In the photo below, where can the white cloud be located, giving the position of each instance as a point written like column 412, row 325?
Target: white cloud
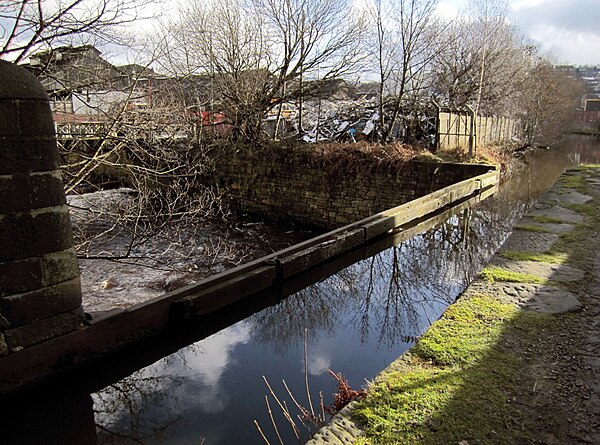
column 568, row 46
column 318, row 364
column 566, row 28
column 202, row 366
column 208, row 365
column 519, row 4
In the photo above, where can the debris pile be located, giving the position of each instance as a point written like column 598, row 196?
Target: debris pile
column 340, row 120
column 351, row 120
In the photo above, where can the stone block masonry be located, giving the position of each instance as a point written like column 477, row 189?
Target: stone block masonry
column 291, row 184
column 40, row 295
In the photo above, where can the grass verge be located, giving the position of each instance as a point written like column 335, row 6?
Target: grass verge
column 548, row 257
column 547, row 219
column 456, row 383
column 583, row 209
column 493, row 274
column 530, row 228
column 573, row 181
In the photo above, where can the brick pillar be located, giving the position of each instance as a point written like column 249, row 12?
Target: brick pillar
column 40, row 293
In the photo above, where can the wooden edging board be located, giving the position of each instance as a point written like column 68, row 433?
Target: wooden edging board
column 117, row 330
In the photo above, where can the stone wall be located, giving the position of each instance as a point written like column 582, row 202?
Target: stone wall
column 40, row 296
column 294, row 186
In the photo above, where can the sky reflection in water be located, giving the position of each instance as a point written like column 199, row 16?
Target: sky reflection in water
column 357, row 322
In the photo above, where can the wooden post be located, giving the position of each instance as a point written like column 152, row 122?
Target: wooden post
column 437, row 125
column 472, row 133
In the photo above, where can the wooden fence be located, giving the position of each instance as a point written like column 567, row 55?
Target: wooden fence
column 492, row 129
column 460, row 129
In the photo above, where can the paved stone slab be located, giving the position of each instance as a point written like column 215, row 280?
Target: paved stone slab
column 341, row 430
column 564, row 195
column 552, row 227
column 532, row 297
column 566, row 215
column 555, row 272
column 525, row 241
column 593, row 181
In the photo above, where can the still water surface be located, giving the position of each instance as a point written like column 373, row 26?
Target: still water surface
column 356, row 321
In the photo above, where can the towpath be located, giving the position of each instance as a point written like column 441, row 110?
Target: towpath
column 549, row 392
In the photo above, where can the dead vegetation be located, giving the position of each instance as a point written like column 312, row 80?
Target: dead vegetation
column 308, row 419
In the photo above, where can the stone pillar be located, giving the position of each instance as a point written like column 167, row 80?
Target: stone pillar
column 40, row 293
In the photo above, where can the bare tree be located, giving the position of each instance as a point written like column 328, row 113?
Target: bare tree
column 154, row 151
column 131, row 129
column 483, row 61
column 491, row 15
column 28, row 25
column 256, row 52
column 548, row 101
column 405, row 33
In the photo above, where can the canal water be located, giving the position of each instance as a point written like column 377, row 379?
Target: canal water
column 356, row 322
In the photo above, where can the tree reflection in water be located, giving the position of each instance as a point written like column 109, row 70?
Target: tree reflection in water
column 358, row 319
column 394, row 294
column 148, row 405
column 137, row 408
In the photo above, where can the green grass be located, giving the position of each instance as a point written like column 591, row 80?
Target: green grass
column 529, row 228
column 548, row 257
column 479, row 319
column 584, row 167
column 583, row 209
column 573, row 181
column 456, row 382
column 493, row 274
column 547, row 219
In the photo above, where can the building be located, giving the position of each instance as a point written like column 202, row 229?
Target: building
column 78, row 80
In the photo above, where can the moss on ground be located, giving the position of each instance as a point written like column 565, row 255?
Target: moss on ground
column 576, row 182
column 493, row 274
column 456, row 384
column 548, row 257
column 530, row 228
column 583, row 209
column 575, row 245
column 547, row 219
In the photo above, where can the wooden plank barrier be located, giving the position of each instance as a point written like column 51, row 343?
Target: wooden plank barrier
column 105, row 335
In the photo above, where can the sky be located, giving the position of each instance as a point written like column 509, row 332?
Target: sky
column 568, row 29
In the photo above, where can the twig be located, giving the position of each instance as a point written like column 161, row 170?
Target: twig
column 261, row 432
column 273, row 420
column 312, row 411
column 283, row 409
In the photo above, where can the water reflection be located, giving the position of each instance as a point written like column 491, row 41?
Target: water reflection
column 146, row 406
column 372, row 310
column 358, row 320
column 585, row 149
column 63, row 416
